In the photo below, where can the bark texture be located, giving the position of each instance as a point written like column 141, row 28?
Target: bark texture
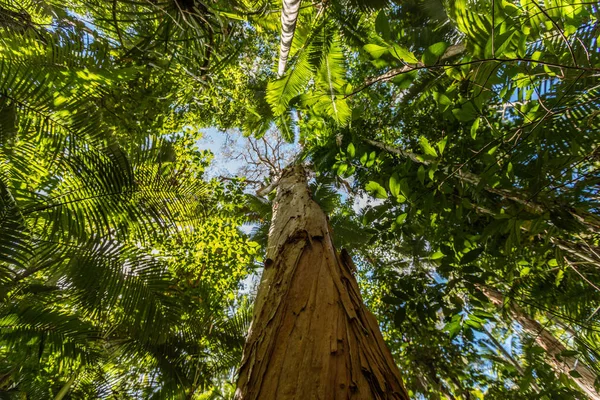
column 311, row 336
column 289, row 17
column 553, row 346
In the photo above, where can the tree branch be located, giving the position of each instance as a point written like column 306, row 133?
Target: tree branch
column 415, row 67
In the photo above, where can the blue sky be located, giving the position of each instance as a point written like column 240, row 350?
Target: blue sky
column 214, row 140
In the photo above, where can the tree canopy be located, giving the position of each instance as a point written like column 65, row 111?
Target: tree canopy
column 454, row 148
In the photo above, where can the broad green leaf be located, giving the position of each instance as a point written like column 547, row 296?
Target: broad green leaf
column 452, row 328
column 559, row 277
column 329, row 98
column 466, row 112
column 376, row 190
column 342, row 169
column 375, row 50
column 382, row 26
column 441, row 145
column 421, row 174
column 474, row 128
column 474, row 324
column 431, row 173
column 437, row 255
column 471, row 256
column 351, row 150
column 371, row 160
column 570, row 29
column 364, row 158
column 286, row 126
column 399, row 316
column 434, row 52
column 401, row 218
column 442, row 99
column 499, row 43
column 403, row 54
column 510, row 174
column 427, row 148
column 405, row 187
column 394, row 184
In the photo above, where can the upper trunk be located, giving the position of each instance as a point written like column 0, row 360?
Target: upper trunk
column 311, row 335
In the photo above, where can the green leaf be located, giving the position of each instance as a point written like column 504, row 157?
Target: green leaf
column 403, row 54
column 421, row 174
column 510, row 174
column 433, row 53
column 351, row 150
column 569, row 353
column 391, row 300
column 559, row 277
column 401, row 218
column 452, row 328
column 474, row 324
column 499, row 43
column 329, row 98
column 375, row 50
column 364, row 158
column 405, row 188
column 394, row 184
column 281, row 91
column 441, row 145
column 341, row 169
column 399, row 317
column 574, row 374
column 371, row 159
column 376, row 190
column 437, row 255
column 471, row 256
column 466, row 113
column 553, row 263
column 382, row 26
column 474, row 128
column 286, row 126
column 427, row 148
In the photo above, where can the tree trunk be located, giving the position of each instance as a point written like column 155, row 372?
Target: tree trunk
column 553, row 346
column 311, row 336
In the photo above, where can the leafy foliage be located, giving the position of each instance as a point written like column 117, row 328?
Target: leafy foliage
column 455, row 148
column 97, row 217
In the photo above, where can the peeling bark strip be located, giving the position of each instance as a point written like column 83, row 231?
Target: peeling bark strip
column 311, row 335
column 553, row 346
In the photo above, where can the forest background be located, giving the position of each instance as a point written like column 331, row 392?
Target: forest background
column 467, row 131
